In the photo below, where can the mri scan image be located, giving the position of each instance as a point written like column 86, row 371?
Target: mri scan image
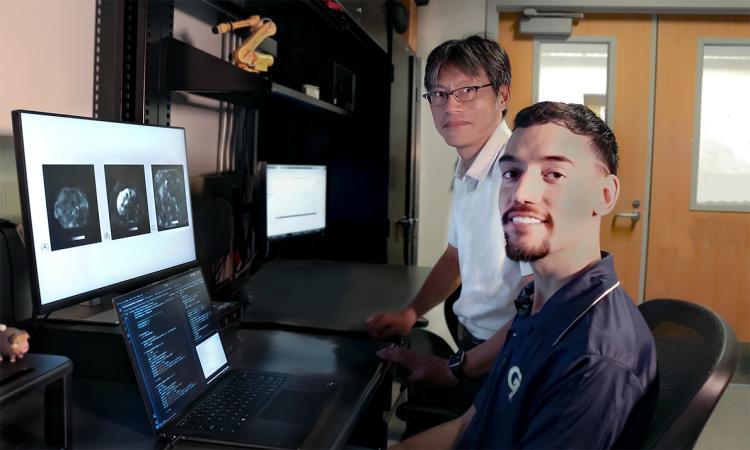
column 170, row 197
column 72, row 209
column 126, row 196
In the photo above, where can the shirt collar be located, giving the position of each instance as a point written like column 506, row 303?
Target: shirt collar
column 486, row 156
column 572, row 300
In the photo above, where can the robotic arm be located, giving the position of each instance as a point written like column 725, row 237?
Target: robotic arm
column 245, row 56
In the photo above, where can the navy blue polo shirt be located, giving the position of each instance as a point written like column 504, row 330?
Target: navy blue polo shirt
column 569, row 375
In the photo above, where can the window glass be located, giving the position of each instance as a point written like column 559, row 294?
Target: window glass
column 574, row 72
column 723, row 172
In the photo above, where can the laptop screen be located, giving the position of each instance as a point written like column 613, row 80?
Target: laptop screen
column 173, row 340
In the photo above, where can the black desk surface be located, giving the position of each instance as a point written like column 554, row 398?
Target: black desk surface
column 328, row 295
column 111, row 415
column 29, row 372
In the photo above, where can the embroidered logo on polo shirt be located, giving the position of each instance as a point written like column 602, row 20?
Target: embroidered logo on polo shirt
column 514, row 381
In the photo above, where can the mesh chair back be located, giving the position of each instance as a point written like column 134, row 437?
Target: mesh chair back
column 696, row 354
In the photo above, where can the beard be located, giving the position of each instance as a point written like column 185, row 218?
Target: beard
column 516, row 252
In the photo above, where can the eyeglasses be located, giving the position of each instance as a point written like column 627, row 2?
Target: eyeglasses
column 462, row 95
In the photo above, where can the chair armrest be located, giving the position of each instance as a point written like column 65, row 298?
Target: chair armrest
column 421, row 322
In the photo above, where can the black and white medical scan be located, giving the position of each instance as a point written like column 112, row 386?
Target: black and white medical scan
column 72, row 208
column 170, row 196
column 127, row 200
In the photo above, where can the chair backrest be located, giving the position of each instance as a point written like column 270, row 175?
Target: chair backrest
column 696, row 353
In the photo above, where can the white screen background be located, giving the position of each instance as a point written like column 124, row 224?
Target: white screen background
column 211, row 355
column 62, row 140
column 296, row 199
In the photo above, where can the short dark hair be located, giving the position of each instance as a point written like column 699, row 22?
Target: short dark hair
column 580, row 120
column 469, row 55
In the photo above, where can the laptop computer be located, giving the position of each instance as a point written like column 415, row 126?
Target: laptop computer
column 188, row 387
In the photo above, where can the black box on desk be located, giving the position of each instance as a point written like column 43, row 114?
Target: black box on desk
column 228, row 314
column 344, row 87
column 97, row 350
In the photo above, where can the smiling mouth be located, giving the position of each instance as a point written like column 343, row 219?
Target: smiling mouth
column 526, row 220
column 526, row 216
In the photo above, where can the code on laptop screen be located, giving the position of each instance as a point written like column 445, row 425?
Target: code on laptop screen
column 174, row 342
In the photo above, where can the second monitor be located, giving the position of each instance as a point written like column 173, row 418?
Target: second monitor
column 295, row 199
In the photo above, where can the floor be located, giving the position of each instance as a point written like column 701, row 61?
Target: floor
column 727, row 429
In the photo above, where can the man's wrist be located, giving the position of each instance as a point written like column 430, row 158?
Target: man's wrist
column 456, row 365
column 409, row 314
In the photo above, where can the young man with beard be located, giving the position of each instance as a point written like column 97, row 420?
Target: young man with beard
column 578, row 355
column 468, row 88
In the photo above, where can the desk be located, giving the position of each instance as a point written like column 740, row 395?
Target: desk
column 110, row 414
column 328, row 295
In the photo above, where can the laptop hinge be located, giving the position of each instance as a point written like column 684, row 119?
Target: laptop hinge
column 172, row 441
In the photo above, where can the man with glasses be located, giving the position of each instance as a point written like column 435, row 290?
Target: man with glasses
column 468, row 88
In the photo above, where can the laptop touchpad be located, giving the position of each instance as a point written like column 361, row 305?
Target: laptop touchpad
column 294, row 406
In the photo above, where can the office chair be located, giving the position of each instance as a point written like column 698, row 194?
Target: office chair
column 423, row 408
column 696, row 353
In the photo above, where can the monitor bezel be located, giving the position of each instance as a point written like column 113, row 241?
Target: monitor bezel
column 280, row 237
column 23, row 189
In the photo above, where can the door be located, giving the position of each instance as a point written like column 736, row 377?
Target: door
column 666, row 241
column 403, row 155
column 626, row 40
column 699, row 255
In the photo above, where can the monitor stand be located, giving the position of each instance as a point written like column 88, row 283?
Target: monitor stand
column 96, row 311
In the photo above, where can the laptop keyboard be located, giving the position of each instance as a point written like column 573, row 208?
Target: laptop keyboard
column 231, row 404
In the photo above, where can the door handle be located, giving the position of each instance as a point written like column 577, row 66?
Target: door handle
column 406, row 224
column 634, row 215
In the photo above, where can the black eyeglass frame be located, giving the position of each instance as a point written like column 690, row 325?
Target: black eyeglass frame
column 430, row 94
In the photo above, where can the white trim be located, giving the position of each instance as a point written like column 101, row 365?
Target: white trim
column 604, row 294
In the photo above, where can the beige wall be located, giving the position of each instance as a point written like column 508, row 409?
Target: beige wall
column 38, row 73
column 51, row 68
column 439, row 21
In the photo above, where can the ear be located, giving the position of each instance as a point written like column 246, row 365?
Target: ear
column 503, row 95
column 609, row 191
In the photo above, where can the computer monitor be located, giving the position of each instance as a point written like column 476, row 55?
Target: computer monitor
column 106, row 205
column 295, row 197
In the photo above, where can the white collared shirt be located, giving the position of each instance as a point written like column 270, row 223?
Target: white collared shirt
column 490, row 281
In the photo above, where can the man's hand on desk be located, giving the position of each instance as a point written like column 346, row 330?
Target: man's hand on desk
column 423, row 367
column 386, row 325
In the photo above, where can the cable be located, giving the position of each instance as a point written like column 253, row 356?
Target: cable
column 39, row 325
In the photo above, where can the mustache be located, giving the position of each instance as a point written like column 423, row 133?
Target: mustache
column 526, row 209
